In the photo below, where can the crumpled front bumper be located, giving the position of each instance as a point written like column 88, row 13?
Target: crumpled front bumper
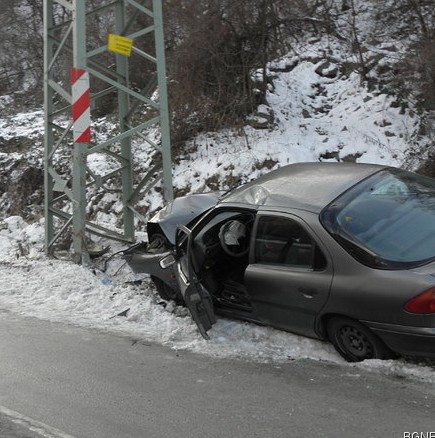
column 158, row 264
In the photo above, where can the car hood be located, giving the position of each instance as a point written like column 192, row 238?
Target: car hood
column 183, row 210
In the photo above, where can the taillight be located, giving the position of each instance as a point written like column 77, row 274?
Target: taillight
column 423, row 303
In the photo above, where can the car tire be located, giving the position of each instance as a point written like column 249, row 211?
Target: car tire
column 166, row 292
column 355, row 342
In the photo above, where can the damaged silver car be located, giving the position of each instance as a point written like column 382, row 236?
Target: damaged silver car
column 336, row 251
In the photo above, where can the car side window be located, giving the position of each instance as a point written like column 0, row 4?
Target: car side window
column 283, row 241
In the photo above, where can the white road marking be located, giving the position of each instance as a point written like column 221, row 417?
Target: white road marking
column 42, row 429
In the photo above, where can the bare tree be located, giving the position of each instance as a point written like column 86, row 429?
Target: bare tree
column 21, row 45
column 214, row 49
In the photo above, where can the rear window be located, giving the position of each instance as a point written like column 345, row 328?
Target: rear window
column 386, row 221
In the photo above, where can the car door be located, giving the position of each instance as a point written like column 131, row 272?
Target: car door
column 289, row 276
column 196, row 297
column 211, row 262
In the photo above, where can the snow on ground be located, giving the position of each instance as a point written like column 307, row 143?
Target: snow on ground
column 58, row 290
column 28, row 125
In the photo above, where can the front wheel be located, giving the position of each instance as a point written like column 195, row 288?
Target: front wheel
column 166, row 292
column 354, row 341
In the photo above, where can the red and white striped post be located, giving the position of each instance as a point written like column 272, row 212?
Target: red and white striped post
column 81, row 101
column 81, row 105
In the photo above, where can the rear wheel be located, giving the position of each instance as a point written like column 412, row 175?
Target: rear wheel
column 356, row 342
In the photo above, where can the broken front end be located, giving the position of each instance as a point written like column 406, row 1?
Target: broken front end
column 158, row 261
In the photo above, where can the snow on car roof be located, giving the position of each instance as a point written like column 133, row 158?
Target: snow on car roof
column 310, row 186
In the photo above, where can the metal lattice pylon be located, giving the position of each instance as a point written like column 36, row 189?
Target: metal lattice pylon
column 68, row 176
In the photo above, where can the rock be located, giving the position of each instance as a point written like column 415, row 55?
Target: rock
column 263, row 118
column 327, row 70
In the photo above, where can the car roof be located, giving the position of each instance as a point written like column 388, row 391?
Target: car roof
column 309, row 186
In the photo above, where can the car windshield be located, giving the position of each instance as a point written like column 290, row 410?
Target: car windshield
column 386, row 221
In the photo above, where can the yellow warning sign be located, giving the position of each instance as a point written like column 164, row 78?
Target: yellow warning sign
column 120, row 45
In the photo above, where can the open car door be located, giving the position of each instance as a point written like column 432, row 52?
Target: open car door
column 196, row 297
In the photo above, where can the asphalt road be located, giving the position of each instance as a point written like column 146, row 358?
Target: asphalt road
column 63, row 381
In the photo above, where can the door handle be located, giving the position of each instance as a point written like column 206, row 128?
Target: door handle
column 308, row 292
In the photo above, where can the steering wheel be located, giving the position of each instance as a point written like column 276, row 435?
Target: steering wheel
column 234, row 239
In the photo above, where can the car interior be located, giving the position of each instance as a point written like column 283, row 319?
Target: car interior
column 221, row 251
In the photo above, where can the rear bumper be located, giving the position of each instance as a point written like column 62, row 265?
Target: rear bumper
column 412, row 341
